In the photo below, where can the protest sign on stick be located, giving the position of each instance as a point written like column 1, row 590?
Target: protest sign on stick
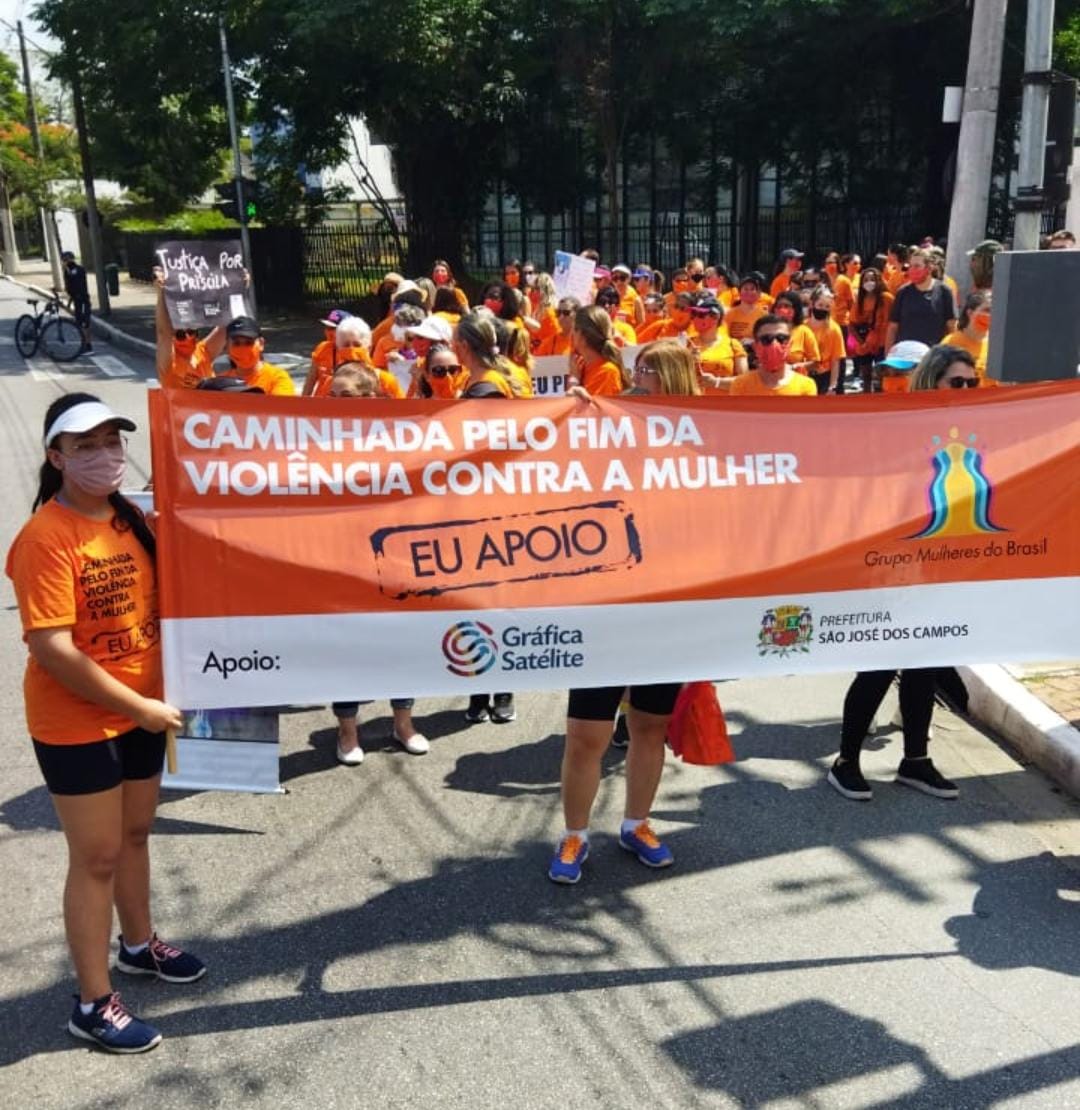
column 204, row 281
column 573, row 276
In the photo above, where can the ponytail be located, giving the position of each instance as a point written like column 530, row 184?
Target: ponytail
column 129, row 515
column 594, row 326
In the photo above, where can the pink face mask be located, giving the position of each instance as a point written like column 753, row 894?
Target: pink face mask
column 98, row 472
column 493, row 304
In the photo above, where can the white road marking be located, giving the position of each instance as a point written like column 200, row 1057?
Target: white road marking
column 44, row 370
column 112, row 366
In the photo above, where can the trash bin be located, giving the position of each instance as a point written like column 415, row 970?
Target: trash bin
column 112, row 278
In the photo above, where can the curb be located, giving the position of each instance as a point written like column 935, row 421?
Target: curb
column 98, row 326
column 1010, row 709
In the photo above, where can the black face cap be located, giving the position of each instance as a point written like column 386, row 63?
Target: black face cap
column 243, row 327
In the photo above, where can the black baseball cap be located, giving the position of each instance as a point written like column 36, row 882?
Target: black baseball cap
column 227, row 384
column 243, row 326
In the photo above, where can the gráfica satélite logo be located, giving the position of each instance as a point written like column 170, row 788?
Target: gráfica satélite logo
column 473, row 648
column 470, row 648
column 959, row 493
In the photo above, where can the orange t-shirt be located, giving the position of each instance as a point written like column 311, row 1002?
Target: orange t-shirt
column 727, row 298
column 875, row 314
column 751, row 385
column 497, row 379
column 719, row 357
column 267, row 377
column 803, row 346
column 186, row 373
column 977, row 348
column 651, row 331
column 830, row 343
column 330, row 360
column 557, row 344
column 625, row 336
column 780, row 284
column 549, row 326
column 602, row 378
column 740, row 318
column 843, row 299
column 628, row 302
column 73, row 572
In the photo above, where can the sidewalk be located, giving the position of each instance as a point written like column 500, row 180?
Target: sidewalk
column 132, row 315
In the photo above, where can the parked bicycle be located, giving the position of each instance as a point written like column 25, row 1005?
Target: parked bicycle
column 57, row 334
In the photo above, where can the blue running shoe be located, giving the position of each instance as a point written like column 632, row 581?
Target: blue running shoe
column 111, row 1026
column 645, row 845
column 571, row 853
column 161, row 960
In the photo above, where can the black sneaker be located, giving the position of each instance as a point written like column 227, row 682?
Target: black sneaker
column 111, row 1026
column 921, row 774
column 478, row 711
column 620, row 738
column 161, row 960
column 503, row 711
column 847, row 779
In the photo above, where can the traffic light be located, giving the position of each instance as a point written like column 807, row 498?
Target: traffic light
column 227, row 203
column 1060, row 127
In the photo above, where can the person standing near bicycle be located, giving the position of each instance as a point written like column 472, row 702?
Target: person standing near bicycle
column 78, row 291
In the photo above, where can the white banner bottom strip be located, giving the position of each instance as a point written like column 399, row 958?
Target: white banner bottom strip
column 253, row 661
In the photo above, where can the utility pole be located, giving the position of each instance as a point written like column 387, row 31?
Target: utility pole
column 1072, row 212
column 92, row 217
column 48, row 219
column 1038, row 52
column 234, row 135
column 975, row 149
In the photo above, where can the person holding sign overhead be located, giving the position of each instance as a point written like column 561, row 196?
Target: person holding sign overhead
column 83, row 569
column 183, row 360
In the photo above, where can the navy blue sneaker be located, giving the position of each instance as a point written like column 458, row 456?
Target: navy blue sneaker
column 161, row 960
column 645, row 845
column 571, row 853
column 111, row 1026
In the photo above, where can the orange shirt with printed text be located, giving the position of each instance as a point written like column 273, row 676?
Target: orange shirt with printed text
column 70, row 571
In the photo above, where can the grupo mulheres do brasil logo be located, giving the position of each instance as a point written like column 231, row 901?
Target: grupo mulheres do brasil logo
column 470, row 648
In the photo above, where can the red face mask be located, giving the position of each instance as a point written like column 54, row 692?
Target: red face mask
column 512, row 279
column 749, row 296
column 784, row 311
column 980, row 323
column 185, row 348
column 680, row 317
column 440, row 277
column 771, row 358
column 831, row 267
column 917, row 274
column 493, row 304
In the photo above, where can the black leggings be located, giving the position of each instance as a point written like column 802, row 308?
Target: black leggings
column 864, row 698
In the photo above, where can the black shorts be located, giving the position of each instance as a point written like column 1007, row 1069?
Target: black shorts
column 101, row 764
column 81, row 311
column 600, row 702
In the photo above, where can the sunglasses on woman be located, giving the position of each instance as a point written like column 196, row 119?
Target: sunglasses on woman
column 185, row 333
column 963, row 383
column 442, row 371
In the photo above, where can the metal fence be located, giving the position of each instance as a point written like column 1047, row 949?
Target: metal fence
column 340, row 262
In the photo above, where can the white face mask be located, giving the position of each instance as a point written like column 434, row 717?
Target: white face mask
column 98, row 472
column 397, row 333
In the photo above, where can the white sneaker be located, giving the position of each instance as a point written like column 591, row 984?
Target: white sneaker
column 351, row 758
column 417, row 744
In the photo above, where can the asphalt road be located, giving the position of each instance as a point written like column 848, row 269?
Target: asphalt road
column 385, row 936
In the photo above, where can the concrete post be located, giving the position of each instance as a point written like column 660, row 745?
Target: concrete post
column 1038, row 51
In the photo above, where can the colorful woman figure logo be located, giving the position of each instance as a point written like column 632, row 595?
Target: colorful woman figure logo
column 959, row 492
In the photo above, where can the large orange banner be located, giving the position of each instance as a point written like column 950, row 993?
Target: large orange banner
column 412, row 536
